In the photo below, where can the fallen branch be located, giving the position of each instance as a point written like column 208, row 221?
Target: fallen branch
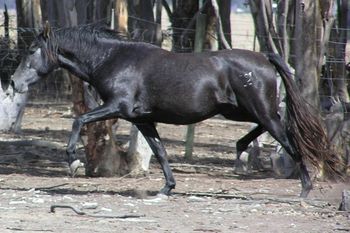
column 216, row 195
column 51, row 187
column 249, row 197
column 76, row 210
column 80, row 212
column 195, row 166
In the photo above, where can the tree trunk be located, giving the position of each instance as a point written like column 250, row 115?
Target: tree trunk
column 121, row 15
column 60, row 14
column 8, row 56
column 335, row 96
column 139, row 153
column 336, row 58
column 11, row 110
column 183, row 24
column 225, row 13
column 28, row 16
column 275, row 41
column 211, row 36
column 285, row 18
column 12, row 106
column 103, row 156
column 307, row 52
column 142, row 26
column 264, row 27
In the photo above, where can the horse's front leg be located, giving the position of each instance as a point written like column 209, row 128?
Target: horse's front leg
column 103, row 112
column 150, row 133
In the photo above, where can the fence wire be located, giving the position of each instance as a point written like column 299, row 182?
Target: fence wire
column 242, row 36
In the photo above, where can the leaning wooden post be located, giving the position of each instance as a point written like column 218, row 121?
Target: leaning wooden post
column 198, row 47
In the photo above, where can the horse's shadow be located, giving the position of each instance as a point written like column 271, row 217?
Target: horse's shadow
column 43, row 159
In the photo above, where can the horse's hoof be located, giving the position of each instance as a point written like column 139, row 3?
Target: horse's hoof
column 162, row 196
column 166, row 191
column 305, row 192
column 75, row 166
column 239, row 167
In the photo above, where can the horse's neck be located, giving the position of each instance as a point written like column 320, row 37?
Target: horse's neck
column 88, row 63
column 82, row 63
column 73, row 67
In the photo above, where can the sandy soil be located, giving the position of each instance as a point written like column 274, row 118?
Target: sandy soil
column 209, row 197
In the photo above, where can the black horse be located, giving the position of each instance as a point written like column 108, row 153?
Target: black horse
column 145, row 84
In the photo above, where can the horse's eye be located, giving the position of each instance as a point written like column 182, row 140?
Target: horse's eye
column 32, row 49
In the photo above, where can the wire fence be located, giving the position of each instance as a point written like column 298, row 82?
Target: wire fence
column 242, row 36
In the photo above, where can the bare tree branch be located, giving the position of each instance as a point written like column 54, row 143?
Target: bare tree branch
column 219, row 25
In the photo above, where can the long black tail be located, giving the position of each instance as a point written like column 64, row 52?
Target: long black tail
column 305, row 128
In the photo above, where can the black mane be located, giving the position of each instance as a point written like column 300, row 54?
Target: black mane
column 79, row 39
column 90, row 32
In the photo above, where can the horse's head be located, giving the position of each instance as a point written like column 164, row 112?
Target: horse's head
column 40, row 61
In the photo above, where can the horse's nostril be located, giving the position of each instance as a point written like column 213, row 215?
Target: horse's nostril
column 12, row 83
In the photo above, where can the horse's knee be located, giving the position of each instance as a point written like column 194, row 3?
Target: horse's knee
column 240, row 147
column 71, row 155
column 77, row 124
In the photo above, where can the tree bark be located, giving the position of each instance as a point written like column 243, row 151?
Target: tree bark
column 264, row 27
column 307, row 50
column 139, row 153
column 337, row 49
column 121, row 15
column 225, row 13
column 335, row 96
column 103, row 156
column 11, row 110
column 285, row 18
column 183, row 25
column 142, row 24
column 11, row 104
column 28, row 16
column 220, row 32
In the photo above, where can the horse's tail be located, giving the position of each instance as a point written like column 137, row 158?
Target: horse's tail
column 305, row 129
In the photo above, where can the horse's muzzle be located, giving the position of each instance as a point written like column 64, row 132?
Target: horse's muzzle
column 12, row 84
column 18, row 88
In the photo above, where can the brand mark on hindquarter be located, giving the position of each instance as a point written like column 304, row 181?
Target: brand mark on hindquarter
column 247, row 79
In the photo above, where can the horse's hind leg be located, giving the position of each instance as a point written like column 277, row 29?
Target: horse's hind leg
column 151, row 135
column 243, row 143
column 274, row 127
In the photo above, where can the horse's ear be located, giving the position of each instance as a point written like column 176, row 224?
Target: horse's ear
column 47, row 30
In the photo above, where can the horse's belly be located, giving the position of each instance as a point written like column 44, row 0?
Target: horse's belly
column 182, row 117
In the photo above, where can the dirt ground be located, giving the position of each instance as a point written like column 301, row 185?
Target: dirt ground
column 208, row 197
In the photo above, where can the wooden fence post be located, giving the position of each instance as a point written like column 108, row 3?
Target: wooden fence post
column 198, row 47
